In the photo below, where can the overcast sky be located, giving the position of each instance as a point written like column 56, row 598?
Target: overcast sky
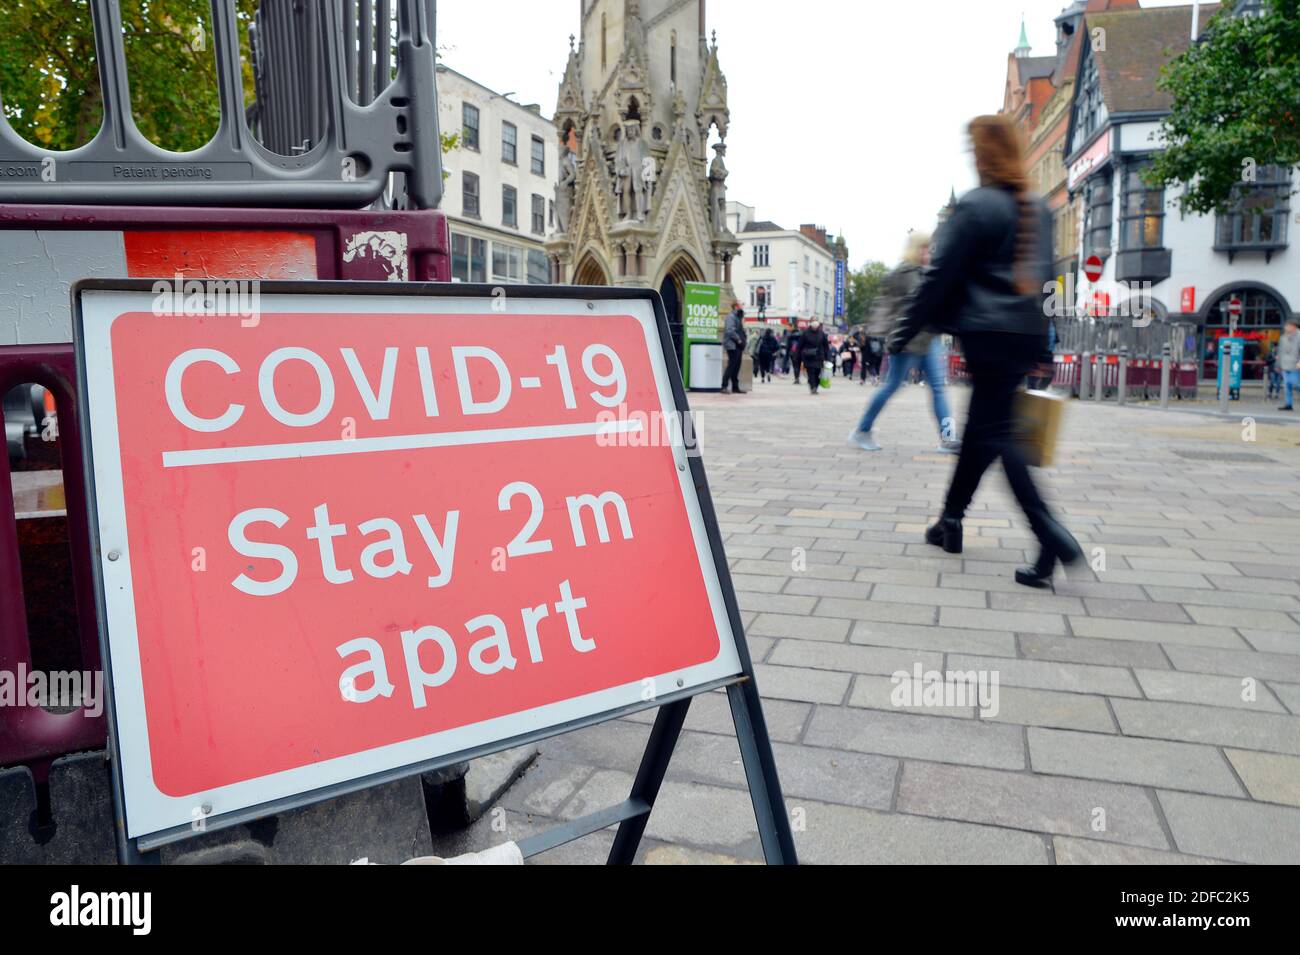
column 846, row 113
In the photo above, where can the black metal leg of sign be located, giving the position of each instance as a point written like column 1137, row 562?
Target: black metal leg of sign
column 760, row 772
column 649, row 777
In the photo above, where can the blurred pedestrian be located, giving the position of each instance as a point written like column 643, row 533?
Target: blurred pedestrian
column 923, row 354
column 1288, row 361
column 796, row 361
column 734, row 340
column 985, row 284
column 813, row 348
column 767, row 349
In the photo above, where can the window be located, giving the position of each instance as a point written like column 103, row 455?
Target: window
column 469, row 194
column 1098, row 216
column 767, row 294
column 468, row 258
column 817, row 269
column 1142, row 213
column 509, row 206
column 469, row 126
column 507, row 262
column 509, row 143
column 602, row 43
column 539, row 267
column 539, row 156
column 1089, row 108
column 761, row 254
column 1257, row 213
column 805, row 263
column 539, row 214
column 672, row 60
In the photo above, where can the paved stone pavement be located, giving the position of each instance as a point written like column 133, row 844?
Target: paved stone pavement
column 1148, row 707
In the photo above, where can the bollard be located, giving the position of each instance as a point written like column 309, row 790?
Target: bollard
column 1164, row 375
column 1099, row 380
column 1121, row 391
column 1085, row 374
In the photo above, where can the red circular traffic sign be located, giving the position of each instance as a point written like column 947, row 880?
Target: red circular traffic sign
column 1092, row 268
column 1234, row 307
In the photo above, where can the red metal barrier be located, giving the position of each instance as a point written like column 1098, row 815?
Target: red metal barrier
column 1066, row 373
column 31, row 734
column 157, row 243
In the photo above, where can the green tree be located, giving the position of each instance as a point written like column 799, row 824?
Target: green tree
column 49, row 76
column 861, row 290
column 1236, row 105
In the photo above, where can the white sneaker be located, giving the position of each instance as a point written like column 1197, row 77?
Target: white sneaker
column 949, row 447
column 863, row 440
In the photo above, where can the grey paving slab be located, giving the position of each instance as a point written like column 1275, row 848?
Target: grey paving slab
column 946, row 639
column 1267, row 732
column 1271, row 666
column 1036, row 646
column 1052, row 804
column 1146, row 762
column 1269, row 777
column 800, row 628
column 1072, row 851
column 853, row 659
column 1235, row 829
column 801, row 683
column 844, row 835
column 883, row 693
column 1239, row 693
column 1026, row 707
column 937, row 738
column 1050, row 675
column 1106, row 628
column 1001, row 620
column 1272, row 641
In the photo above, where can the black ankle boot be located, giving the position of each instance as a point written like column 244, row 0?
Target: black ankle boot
column 1055, row 543
column 946, row 534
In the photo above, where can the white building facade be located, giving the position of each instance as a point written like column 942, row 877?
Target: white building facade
column 500, row 188
column 794, row 268
column 1189, row 278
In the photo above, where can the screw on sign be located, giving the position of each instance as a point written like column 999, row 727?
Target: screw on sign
column 496, row 546
column 1092, row 267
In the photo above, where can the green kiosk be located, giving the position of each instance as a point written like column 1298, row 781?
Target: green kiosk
column 702, row 358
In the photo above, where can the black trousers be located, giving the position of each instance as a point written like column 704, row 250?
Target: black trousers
column 997, row 363
column 732, row 372
column 813, row 368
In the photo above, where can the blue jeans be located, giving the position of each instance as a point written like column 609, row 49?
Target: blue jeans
column 931, row 364
column 1292, row 379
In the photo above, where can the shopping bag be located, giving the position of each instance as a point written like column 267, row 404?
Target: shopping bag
column 828, row 369
column 1038, row 425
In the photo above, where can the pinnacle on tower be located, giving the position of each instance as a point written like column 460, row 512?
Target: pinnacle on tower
column 1023, row 48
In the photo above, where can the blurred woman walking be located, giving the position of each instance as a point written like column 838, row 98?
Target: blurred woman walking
column 985, row 284
column 924, row 353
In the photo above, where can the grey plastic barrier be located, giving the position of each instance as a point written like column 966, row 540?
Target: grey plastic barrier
column 341, row 149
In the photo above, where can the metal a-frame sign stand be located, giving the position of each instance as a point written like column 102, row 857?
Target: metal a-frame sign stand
column 632, row 814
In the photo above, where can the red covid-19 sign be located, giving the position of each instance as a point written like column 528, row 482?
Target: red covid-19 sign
column 362, row 531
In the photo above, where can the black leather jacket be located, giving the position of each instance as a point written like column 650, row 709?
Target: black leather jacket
column 969, row 286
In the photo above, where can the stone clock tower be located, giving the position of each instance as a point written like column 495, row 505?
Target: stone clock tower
column 641, row 198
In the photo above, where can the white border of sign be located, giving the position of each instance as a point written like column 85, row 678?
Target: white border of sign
column 148, row 810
